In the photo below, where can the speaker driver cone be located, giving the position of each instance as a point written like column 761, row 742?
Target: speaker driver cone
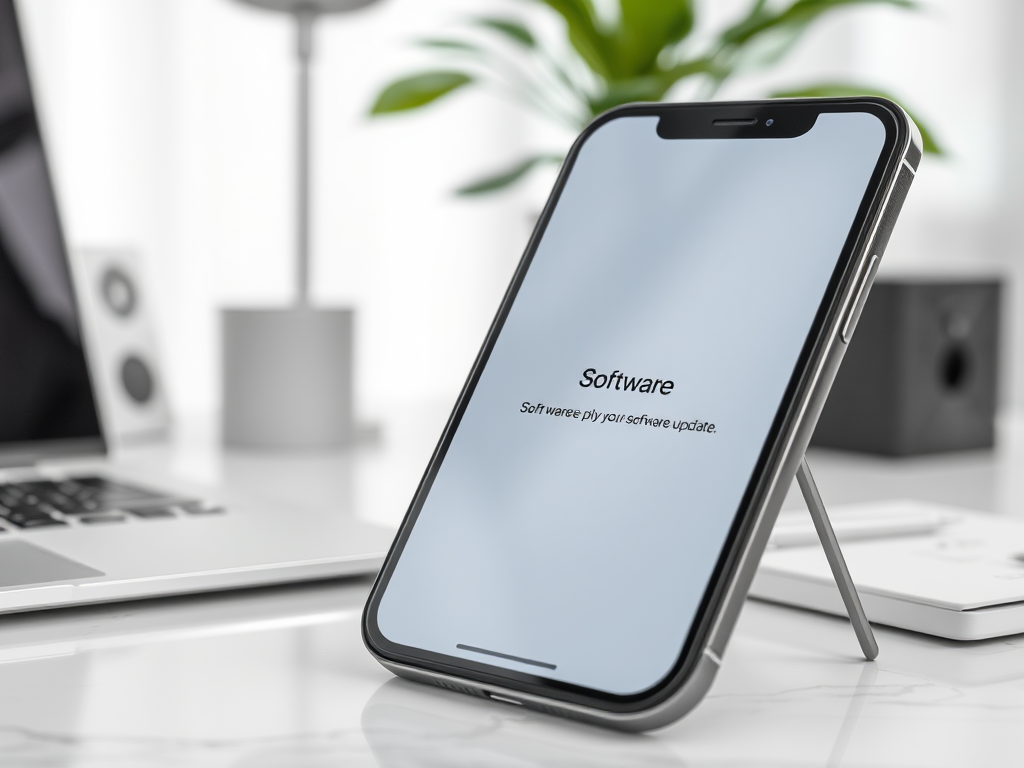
column 137, row 380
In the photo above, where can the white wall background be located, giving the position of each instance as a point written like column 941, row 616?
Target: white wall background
column 170, row 125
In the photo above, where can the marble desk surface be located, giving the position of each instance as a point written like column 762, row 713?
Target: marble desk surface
column 279, row 676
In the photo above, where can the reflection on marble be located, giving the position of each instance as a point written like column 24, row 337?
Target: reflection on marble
column 373, row 480
column 409, row 724
column 244, row 679
column 279, row 677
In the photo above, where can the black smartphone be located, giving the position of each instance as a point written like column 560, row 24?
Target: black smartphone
column 589, row 524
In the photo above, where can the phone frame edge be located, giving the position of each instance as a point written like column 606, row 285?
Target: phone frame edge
column 818, row 390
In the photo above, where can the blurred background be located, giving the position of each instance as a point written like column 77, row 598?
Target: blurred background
column 171, row 132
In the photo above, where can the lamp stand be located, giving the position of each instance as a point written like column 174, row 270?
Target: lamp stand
column 287, row 372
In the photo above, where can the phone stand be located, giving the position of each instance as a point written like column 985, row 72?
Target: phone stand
column 836, row 562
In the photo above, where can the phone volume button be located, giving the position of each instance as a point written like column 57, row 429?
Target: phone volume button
column 856, row 305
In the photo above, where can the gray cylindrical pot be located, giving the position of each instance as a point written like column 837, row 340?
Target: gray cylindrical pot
column 287, row 377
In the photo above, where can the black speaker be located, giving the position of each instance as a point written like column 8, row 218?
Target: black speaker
column 920, row 374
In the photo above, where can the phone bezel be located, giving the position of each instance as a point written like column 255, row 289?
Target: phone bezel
column 687, row 122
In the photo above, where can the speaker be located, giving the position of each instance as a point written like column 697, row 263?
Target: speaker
column 920, row 374
column 122, row 347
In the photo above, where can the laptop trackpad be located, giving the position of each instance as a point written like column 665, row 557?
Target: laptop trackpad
column 22, row 563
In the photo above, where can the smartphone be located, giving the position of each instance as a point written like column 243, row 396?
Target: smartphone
column 589, row 524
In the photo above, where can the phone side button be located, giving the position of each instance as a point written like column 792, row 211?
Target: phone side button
column 857, row 305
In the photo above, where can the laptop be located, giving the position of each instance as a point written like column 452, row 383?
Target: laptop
column 99, row 534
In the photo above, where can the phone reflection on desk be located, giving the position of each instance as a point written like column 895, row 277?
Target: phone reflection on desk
column 407, row 723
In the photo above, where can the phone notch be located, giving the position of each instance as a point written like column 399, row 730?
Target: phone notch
column 766, row 120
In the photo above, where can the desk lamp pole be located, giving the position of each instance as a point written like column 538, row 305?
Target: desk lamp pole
column 305, row 18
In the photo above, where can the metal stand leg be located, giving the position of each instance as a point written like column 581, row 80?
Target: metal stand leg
column 835, row 560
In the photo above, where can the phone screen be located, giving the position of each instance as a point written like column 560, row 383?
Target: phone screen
column 584, row 499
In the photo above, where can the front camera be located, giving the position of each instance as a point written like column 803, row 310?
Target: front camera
column 769, row 121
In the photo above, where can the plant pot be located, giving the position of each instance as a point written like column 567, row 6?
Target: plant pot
column 287, row 378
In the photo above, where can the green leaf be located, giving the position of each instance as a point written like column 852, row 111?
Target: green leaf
column 450, row 45
column 800, row 14
column 646, row 28
column 834, row 90
column 417, row 91
column 631, row 48
column 686, row 69
column 767, row 33
column 764, row 51
column 507, row 177
column 513, row 30
column 590, row 42
column 621, row 92
column 646, row 88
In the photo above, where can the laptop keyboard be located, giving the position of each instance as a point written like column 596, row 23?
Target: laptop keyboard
column 89, row 501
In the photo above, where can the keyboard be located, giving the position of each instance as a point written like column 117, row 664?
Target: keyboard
column 32, row 504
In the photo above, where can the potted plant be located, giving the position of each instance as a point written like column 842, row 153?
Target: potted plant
column 641, row 54
column 921, row 376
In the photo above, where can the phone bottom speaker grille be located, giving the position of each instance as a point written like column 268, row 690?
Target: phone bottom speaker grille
column 459, row 688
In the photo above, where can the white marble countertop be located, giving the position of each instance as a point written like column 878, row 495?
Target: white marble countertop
column 279, row 677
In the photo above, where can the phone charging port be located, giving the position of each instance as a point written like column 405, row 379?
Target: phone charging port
column 503, row 699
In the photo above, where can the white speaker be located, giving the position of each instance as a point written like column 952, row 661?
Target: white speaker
column 122, row 346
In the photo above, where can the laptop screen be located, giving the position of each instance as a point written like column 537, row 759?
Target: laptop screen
column 47, row 406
